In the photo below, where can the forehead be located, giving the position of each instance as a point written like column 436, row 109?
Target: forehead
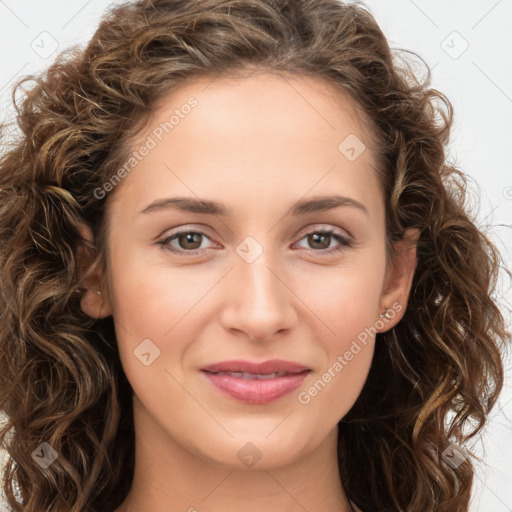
column 292, row 97
column 267, row 132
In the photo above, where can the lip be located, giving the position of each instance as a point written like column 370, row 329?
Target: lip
column 264, row 368
column 256, row 391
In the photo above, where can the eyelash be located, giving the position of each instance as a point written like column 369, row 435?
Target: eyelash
column 344, row 241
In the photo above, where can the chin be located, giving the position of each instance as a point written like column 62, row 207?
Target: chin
column 258, row 451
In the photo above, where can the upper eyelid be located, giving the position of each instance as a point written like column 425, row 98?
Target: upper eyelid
column 199, row 227
column 321, row 227
column 305, row 231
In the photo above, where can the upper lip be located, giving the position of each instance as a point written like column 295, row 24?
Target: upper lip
column 265, row 368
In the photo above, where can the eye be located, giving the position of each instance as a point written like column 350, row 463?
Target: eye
column 188, row 241
column 320, row 240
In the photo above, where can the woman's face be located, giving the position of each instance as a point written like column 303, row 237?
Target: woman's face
column 255, row 282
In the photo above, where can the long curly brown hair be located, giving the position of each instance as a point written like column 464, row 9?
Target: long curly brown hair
column 434, row 377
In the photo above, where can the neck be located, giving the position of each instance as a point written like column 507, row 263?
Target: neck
column 168, row 476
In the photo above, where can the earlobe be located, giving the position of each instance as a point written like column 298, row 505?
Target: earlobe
column 398, row 279
column 93, row 305
column 94, row 301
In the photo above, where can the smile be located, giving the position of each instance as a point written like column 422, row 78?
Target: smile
column 253, row 388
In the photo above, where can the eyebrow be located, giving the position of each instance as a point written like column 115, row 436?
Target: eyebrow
column 301, row 207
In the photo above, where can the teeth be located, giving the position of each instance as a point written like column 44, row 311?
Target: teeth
column 243, row 375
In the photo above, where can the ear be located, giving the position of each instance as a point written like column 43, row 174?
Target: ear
column 95, row 300
column 398, row 280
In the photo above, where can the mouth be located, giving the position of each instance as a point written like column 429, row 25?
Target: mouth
column 278, row 366
column 257, row 376
column 254, row 383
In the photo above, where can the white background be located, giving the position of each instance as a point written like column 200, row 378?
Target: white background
column 468, row 46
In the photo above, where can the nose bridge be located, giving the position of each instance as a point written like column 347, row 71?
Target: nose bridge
column 262, row 303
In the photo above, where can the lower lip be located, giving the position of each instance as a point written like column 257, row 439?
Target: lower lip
column 256, row 391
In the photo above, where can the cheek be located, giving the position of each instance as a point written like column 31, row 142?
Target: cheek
column 346, row 300
column 150, row 298
column 347, row 305
column 151, row 305
column 348, row 347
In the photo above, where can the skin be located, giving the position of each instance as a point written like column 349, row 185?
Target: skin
column 256, row 144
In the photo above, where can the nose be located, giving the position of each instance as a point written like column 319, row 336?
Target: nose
column 260, row 303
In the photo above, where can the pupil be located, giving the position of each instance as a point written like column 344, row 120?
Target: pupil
column 316, row 236
column 189, row 238
column 315, row 239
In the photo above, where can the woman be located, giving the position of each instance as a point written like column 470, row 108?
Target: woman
column 328, row 341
